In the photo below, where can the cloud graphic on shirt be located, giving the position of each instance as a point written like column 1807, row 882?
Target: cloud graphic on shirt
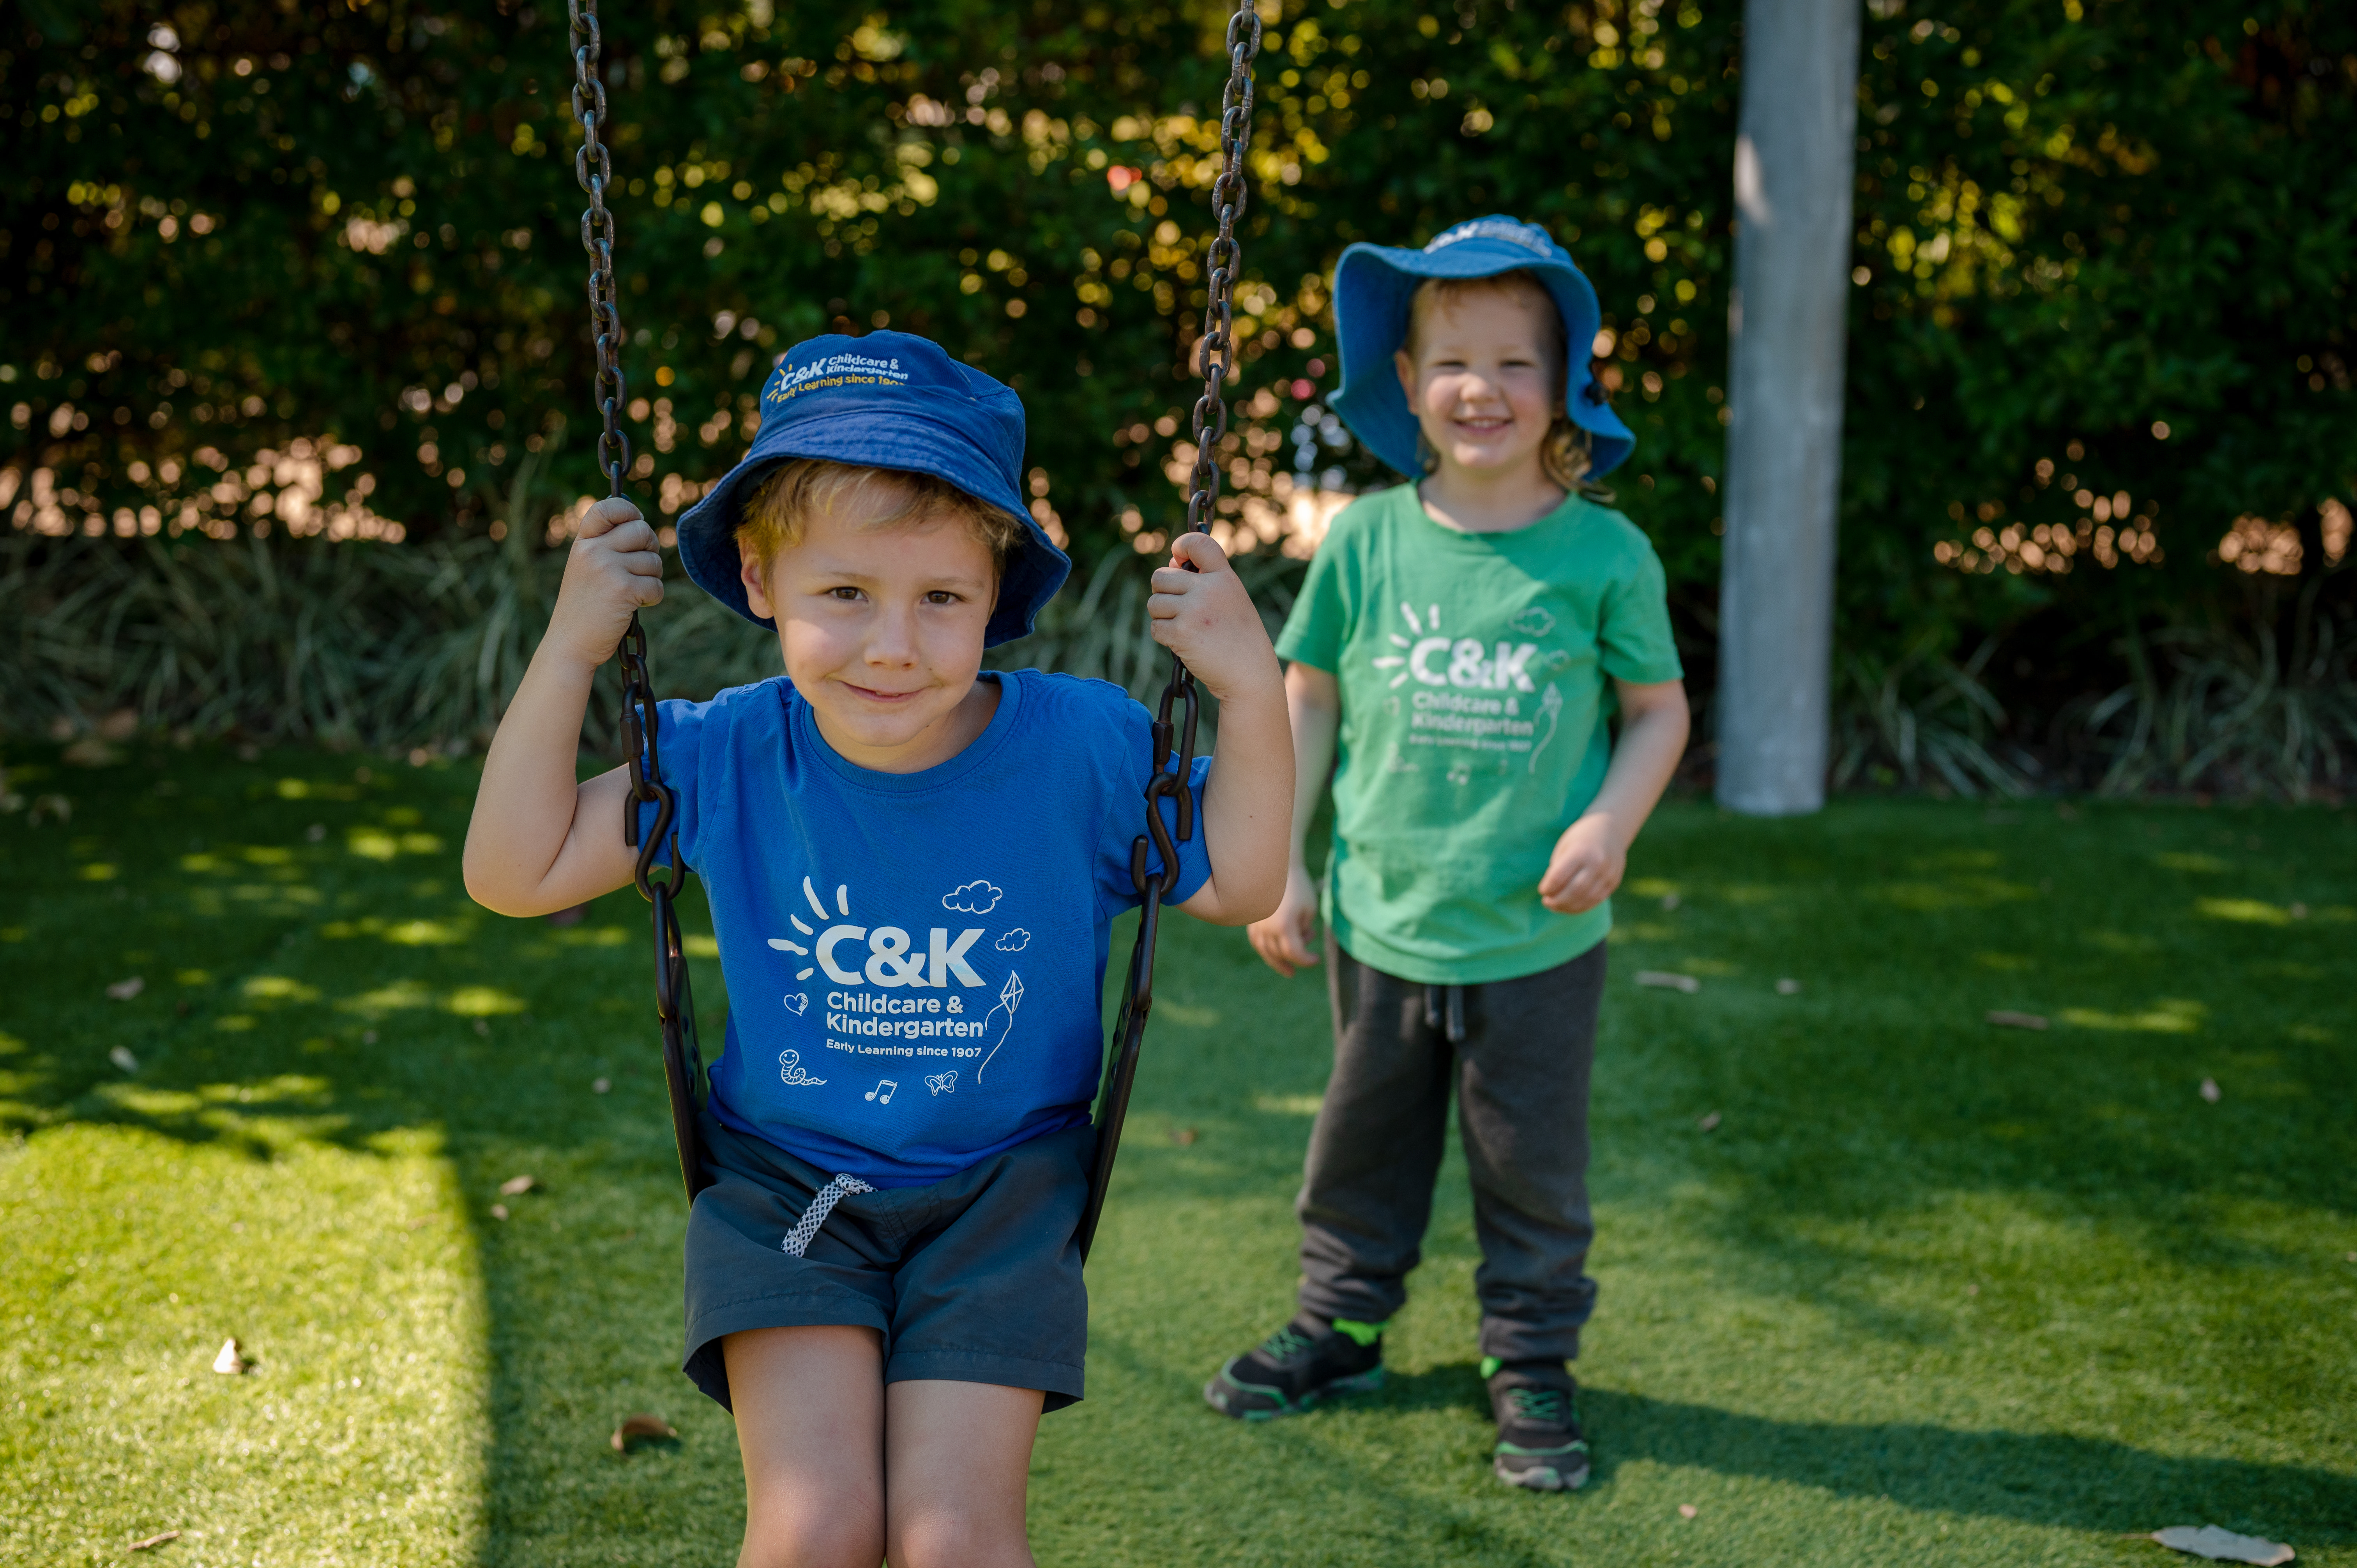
column 1015, row 941
column 972, row 899
column 1533, row 621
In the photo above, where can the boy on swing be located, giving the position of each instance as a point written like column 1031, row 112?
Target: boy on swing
column 911, row 866
column 1455, row 652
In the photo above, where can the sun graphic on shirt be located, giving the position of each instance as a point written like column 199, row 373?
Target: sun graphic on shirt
column 843, row 908
column 1428, row 623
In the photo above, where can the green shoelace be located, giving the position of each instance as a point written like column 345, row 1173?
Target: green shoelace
column 1550, row 1407
column 1285, row 1344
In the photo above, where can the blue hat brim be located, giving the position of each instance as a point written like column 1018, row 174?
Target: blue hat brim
column 910, row 444
column 1373, row 286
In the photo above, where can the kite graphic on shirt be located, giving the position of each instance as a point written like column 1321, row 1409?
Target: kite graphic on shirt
column 1010, row 997
column 1551, row 706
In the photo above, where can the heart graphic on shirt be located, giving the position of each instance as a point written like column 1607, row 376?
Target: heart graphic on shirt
column 797, row 1004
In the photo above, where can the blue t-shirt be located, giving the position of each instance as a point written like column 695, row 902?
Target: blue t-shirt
column 915, row 960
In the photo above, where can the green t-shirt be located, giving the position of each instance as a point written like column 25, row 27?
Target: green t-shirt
column 1473, row 670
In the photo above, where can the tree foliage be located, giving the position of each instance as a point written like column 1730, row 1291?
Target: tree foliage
column 236, row 225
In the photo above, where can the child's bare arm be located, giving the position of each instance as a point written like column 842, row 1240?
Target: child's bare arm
column 1313, row 700
column 1206, row 618
column 539, row 842
column 1592, row 855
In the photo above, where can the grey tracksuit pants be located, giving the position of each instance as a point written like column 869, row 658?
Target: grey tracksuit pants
column 1518, row 1054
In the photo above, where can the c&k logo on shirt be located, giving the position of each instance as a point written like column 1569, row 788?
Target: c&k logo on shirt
column 864, row 1024
column 890, row 963
column 1464, row 662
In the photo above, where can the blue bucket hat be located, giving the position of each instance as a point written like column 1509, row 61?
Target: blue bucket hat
column 1373, row 287
column 885, row 401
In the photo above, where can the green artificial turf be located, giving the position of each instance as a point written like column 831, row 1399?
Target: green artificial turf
column 1929, row 1290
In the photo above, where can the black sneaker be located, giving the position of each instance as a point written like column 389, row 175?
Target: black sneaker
column 1297, row 1366
column 1539, row 1443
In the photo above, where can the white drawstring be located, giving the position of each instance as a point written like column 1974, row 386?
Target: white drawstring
column 798, row 1240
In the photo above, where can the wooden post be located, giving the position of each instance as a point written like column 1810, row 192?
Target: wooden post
column 1794, row 167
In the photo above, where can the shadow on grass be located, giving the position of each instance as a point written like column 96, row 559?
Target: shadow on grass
column 1875, row 1090
column 2053, row 1479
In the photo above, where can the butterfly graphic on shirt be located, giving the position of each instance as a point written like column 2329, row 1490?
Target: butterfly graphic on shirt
column 942, row 1083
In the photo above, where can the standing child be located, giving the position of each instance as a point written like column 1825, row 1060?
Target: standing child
column 1455, row 652
column 911, row 866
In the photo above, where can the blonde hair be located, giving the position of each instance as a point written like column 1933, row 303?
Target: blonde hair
column 1567, row 454
column 792, row 494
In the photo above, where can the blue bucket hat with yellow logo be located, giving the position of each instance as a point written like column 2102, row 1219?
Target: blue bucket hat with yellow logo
column 1373, row 287
column 885, row 401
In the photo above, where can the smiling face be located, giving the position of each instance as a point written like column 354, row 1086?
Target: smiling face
column 881, row 617
column 1483, row 373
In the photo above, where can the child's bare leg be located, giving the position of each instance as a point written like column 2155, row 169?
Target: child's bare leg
column 810, row 1422
column 958, row 1459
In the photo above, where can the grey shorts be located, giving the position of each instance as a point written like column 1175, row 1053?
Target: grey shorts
column 976, row 1279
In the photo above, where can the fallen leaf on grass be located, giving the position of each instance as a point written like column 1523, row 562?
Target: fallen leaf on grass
column 641, row 1428
column 1788, row 988
column 1662, row 980
column 2005, row 1020
column 1669, row 901
column 1710, row 1124
column 229, row 1363
column 1687, row 1510
column 601, row 1086
column 516, row 1186
column 125, row 990
column 1182, row 1136
column 155, row 1541
column 2222, row 1544
column 498, row 1211
column 2210, row 1091
column 91, row 751
column 121, row 1057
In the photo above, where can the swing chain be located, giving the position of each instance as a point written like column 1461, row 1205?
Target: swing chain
column 1217, row 349
column 642, row 720
column 1176, row 734
column 594, row 170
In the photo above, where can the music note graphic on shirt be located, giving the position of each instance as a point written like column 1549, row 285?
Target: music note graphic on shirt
column 883, row 1091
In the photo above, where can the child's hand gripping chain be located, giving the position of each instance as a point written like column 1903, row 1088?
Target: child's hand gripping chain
column 1202, row 613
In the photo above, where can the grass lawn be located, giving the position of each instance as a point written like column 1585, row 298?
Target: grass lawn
column 1930, row 1290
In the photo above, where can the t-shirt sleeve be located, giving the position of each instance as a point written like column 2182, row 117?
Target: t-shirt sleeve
column 684, row 731
column 1634, row 624
column 1320, row 619
column 1124, row 821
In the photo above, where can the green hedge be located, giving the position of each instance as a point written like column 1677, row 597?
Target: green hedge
column 2077, row 222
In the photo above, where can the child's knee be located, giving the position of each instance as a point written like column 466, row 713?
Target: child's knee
column 953, row 1538
column 815, row 1537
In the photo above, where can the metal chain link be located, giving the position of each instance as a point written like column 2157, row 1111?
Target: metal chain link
column 1174, row 739
column 642, row 720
